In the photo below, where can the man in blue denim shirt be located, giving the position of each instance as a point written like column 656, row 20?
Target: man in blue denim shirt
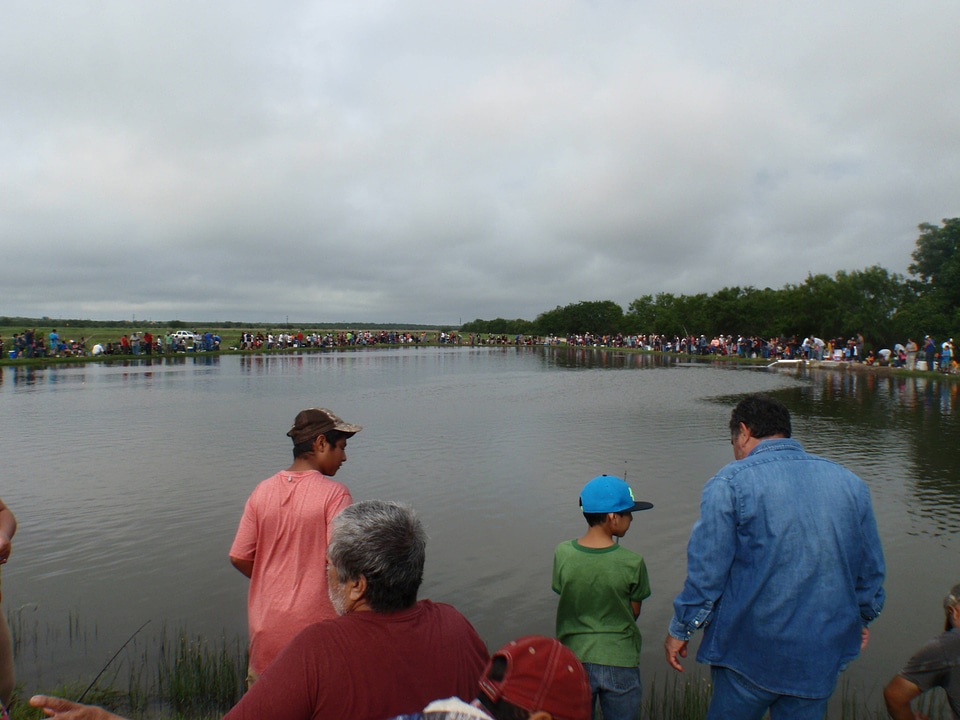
column 784, row 573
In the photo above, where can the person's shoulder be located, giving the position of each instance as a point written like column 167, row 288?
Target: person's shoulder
column 624, row 554
column 441, row 613
column 944, row 649
column 839, row 470
column 334, row 487
column 565, row 547
column 950, row 642
column 428, row 607
column 275, row 478
column 324, row 635
column 265, row 486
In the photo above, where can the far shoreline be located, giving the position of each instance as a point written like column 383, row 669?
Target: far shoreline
column 778, row 365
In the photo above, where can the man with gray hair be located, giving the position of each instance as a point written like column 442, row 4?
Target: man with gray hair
column 386, row 654
column 936, row 664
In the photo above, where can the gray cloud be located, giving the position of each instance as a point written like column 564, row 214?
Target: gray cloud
column 432, row 162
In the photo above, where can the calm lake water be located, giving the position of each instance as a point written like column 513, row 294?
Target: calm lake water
column 128, row 481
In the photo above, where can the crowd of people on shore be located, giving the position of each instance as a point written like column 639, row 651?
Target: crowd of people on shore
column 928, row 355
column 347, row 338
column 785, row 574
column 33, row 344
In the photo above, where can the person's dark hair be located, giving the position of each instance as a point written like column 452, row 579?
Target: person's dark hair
column 501, row 709
column 763, row 415
column 599, row 518
column 386, row 544
column 332, row 436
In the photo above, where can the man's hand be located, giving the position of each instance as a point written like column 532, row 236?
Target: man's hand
column 864, row 637
column 5, row 548
column 675, row 648
column 65, row 710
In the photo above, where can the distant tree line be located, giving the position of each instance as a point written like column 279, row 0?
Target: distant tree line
column 885, row 307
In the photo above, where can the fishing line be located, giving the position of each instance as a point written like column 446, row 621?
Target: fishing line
column 104, row 668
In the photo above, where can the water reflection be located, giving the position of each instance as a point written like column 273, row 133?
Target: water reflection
column 586, row 358
column 881, row 420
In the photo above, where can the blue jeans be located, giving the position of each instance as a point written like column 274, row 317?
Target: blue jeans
column 736, row 697
column 618, row 688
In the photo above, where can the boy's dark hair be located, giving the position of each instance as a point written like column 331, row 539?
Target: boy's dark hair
column 764, row 416
column 501, row 709
column 599, row 518
column 332, row 436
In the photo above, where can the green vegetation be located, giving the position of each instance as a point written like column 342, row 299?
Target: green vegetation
column 677, row 698
column 170, row 675
column 886, row 307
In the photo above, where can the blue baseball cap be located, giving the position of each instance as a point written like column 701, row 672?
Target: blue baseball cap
column 607, row 494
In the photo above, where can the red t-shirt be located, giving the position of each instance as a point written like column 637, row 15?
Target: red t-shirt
column 369, row 666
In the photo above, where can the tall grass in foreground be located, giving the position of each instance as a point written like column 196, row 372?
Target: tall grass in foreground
column 677, row 698
column 171, row 675
column 197, row 678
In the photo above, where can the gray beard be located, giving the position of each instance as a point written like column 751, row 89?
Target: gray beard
column 336, row 597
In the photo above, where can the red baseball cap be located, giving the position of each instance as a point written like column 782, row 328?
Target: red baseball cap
column 541, row 674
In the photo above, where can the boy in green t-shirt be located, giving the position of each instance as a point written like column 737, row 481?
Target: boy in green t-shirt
column 601, row 586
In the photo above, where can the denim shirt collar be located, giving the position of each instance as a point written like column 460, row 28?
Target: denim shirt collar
column 773, row 444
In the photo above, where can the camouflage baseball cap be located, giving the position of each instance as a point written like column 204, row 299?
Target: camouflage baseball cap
column 314, row 422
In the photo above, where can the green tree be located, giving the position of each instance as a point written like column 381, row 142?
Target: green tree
column 601, row 317
column 641, row 315
column 762, row 313
column 937, row 265
column 870, row 298
column 724, row 311
column 812, row 308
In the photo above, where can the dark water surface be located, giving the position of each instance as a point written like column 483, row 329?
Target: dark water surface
column 128, row 481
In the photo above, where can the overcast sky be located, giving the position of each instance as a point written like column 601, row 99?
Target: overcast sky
column 436, row 161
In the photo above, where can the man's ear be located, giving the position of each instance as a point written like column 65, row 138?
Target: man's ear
column 954, row 614
column 358, row 588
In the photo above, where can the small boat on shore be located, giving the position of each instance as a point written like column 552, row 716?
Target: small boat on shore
column 786, row 363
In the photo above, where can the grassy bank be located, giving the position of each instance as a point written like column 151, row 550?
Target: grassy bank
column 177, row 674
column 173, row 674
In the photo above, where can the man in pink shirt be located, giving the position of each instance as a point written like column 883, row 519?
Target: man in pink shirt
column 283, row 536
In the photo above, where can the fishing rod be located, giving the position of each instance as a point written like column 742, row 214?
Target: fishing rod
column 104, row 668
column 625, row 468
